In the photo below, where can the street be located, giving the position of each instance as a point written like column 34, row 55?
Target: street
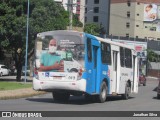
column 145, row 100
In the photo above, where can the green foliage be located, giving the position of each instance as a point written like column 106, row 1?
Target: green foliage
column 152, row 56
column 76, row 21
column 92, row 28
column 45, row 15
column 2, row 57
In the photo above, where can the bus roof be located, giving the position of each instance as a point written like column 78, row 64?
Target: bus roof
column 71, row 32
column 106, row 40
column 68, row 32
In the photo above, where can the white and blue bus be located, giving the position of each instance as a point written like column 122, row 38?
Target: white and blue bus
column 92, row 66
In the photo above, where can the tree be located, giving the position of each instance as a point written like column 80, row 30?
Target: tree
column 45, row 15
column 152, row 56
column 76, row 21
column 92, row 28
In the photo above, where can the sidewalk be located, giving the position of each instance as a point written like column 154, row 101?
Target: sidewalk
column 18, row 93
column 150, row 77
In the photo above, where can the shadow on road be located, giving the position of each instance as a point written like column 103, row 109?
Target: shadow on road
column 155, row 89
column 74, row 100
column 155, row 98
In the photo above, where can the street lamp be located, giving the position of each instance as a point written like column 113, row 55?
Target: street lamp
column 26, row 43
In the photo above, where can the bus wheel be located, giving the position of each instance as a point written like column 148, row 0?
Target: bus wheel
column 125, row 96
column 144, row 84
column 103, row 93
column 158, row 96
column 58, row 96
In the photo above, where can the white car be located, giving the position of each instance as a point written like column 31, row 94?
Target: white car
column 4, row 70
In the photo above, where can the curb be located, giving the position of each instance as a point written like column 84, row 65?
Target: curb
column 19, row 93
column 150, row 77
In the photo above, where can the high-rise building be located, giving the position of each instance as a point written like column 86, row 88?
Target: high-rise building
column 97, row 11
column 135, row 18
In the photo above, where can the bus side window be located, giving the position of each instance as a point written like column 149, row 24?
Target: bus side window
column 122, row 56
column 89, row 49
column 106, row 53
column 128, row 58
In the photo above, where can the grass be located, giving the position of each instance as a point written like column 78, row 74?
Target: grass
column 13, row 85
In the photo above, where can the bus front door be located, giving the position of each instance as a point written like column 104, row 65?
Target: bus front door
column 92, row 51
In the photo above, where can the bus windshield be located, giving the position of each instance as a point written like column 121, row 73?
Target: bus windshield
column 67, row 51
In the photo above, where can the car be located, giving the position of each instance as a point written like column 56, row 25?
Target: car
column 4, row 70
column 142, row 79
column 158, row 90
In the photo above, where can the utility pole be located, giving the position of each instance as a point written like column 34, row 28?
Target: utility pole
column 26, row 58
column 70, row 9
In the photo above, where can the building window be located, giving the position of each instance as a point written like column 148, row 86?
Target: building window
column 137, row 14
column 96, row 9
column 85, row 10
column 86, row 1
column 137, row 25
column 158, row 38
column 96, row 1
column 85, row 19
column 127, row 35
column 136, row 36
column 146, row 27
column 95, row 18
column 127, row 25
column 128, row 14
column 138, row 3
column 129, row 3
column 153, row 29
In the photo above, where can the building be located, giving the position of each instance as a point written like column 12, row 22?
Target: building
column 97, row 11
column 128, row 19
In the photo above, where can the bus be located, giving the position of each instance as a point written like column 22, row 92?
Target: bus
column 93, row 67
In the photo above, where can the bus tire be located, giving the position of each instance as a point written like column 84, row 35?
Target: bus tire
column 126, row 95
column 158, row 96
column 88, row 97
column 1, row 74
column 144, row 84
column 59, row 96
column 103, row 93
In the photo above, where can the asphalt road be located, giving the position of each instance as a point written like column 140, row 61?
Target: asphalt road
column 145, row 100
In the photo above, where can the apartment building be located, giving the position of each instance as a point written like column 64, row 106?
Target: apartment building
column 97, row 11
column 127, row 18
